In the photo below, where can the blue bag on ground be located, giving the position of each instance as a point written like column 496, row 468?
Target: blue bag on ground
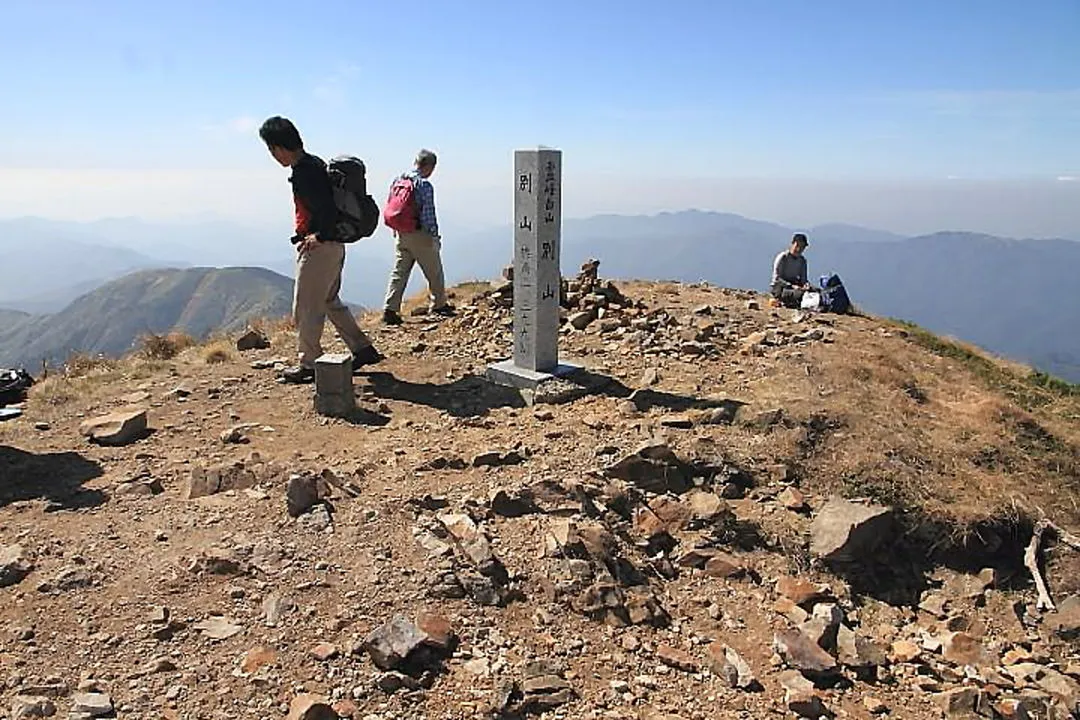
column 834, row 297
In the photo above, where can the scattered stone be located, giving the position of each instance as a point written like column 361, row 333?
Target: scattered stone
column 217, row 627
column 317, row 518
column 676, row 658
column 787, row 607
column 905, row 651
column 1065, row 623
column 651, row 377
column 800, row 697
column 800, row 591
column 960, row 703
column 257, row 658
column 961, row 648
column 874, row 706
column 325, row 651
column 802, row 653
column 15, row 565
column 274, row 608
column 766, row 420
column 119, row 428
column 311, row 707
column 68, row 578
column 25, row 708
column 494, row 458
column 233, row 435
column 731, row 667
column 581, row 320
column 844, row 531
column 470, row 539
column 390, row 682
column 183, row 390
column 792, row 499
column 857, row 652
column 92, row 704
column 543, row 687
column 206, row 481
column 252, row 340
column 722, row 565
column 215, row 561
column 678, row 422
column 393, row 644
column 653, row 467
column 302, row 493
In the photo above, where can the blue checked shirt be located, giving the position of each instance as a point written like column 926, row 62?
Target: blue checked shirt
column 425, row 204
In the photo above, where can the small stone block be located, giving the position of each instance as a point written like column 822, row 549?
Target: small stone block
column 334, row 395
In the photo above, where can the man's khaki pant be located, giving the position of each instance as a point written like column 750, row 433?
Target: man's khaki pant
column 315, row 297
column 412, row 248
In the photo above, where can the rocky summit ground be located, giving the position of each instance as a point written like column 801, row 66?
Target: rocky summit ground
column 737, row 512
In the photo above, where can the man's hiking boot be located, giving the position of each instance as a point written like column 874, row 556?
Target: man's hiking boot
column 366, row 356
column 298, row 375
column 389, row 317
column 447, row 310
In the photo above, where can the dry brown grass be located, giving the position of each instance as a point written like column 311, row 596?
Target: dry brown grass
column 217, row 351
column 923, row 432
column 84, row 365
column 165, row 346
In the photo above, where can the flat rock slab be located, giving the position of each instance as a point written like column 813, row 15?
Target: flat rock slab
column 218, row 628
column 802, row 653
column 92, row 704
column 844, row 531
column 118, row 428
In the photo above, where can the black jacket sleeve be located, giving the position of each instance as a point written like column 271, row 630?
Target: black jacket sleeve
column 312, row 188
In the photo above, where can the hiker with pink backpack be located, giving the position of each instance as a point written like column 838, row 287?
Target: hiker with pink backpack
column 410, row 213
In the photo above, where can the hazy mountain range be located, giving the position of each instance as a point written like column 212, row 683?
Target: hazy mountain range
column 109, row 320
column 1014, row 297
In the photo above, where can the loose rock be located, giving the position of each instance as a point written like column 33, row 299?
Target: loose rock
column 119, row 428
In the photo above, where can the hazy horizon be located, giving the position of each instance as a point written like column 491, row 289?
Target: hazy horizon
column 1016, row 209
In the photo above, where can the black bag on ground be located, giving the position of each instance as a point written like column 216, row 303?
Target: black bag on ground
column 14, row 385
column 358, row 212
column 834, row 297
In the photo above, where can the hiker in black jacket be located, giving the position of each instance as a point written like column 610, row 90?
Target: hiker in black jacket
column 320, row 258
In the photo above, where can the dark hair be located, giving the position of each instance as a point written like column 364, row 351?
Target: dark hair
column 800, row 238
column 280, row 132
column 426, row 158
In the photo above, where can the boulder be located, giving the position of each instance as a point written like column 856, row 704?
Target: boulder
column 844, row 531
column 118, row 428
column 252, row 340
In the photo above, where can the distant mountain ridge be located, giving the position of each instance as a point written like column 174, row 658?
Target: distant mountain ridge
column 1013, row 297
column 108, row 320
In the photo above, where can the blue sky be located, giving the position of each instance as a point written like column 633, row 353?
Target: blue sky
column 647, row 93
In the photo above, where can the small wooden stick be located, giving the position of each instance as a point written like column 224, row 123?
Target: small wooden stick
column 1031, row 561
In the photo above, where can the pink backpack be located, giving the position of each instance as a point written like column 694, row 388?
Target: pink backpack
column 400, row 212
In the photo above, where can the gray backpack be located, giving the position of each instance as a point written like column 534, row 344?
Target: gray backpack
column 358, row 212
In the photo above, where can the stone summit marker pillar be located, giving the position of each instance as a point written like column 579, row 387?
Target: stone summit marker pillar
column 537, row 273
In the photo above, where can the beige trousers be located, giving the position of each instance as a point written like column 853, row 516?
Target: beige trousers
column 410, row 249
column 315, row 297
